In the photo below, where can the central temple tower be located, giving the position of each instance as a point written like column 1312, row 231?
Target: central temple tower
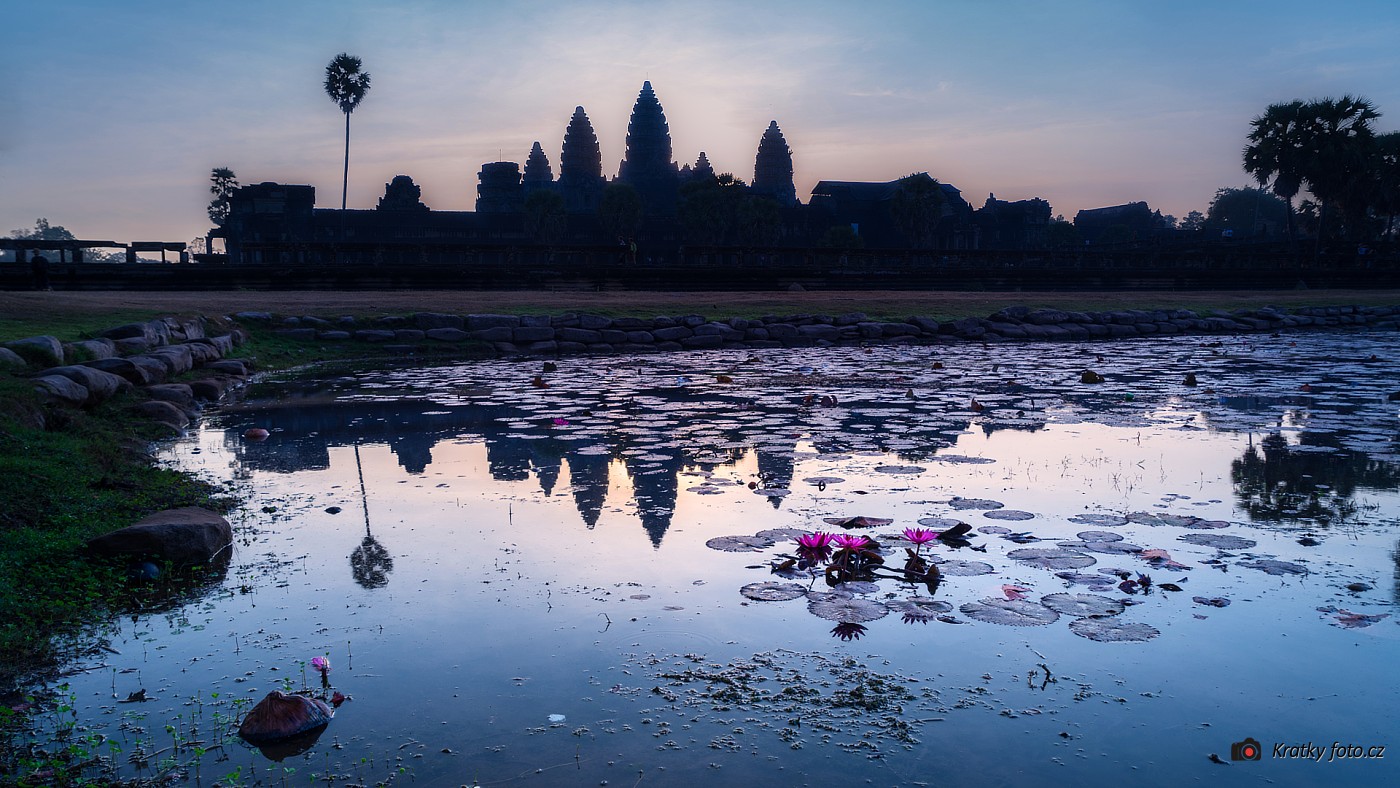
column 648, row 167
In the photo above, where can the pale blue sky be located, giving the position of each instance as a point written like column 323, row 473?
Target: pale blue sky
column 114, row 112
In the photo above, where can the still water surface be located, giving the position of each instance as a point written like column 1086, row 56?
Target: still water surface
column 508, row 569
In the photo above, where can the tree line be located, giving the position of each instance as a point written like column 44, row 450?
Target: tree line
column 1330, row 148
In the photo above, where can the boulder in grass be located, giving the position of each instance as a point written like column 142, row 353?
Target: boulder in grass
column 228, row 366
column 210, row 389
column 167, row 413
column 59, row 388
column 190, row 535
column 123, row 367
column 178, row 394
column 156, row 370
column 9, row 358
column 89, row 349
column 42, row 350
column 101, row 386
column 281, row 716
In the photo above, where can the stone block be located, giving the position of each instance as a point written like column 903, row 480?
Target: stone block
column 493, row 334
column 579, row 335
column 426, row 321
column 374, row 335
column 182, row 536
column 484, row 322
column 43, row 351
column 62, row 389
column 672, row 333
column 89, row 350
column 536, row 333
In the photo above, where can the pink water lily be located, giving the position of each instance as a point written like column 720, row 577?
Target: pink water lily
column 814, row 541
column 920, row 536
column 321, row 664
column 849, row 542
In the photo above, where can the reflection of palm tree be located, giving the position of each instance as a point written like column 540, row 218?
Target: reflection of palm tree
column 370, row 563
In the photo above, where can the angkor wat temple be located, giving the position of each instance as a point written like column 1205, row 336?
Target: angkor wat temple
column 667, row 209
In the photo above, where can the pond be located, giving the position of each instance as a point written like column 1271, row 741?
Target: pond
column 586, row 572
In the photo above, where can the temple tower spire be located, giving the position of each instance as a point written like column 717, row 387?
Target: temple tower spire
column 772, row 171
column 648, row 166
column 580, row 165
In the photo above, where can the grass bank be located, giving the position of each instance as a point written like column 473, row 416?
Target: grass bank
column 71, row 314
column 83, row 474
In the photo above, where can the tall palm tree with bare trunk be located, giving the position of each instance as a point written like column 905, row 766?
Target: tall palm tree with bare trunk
column 347, row 85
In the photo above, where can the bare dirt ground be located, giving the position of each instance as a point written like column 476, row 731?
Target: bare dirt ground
column 75, row 308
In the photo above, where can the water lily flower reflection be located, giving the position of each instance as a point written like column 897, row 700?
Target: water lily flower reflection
column 848, row 631
column 814, row 547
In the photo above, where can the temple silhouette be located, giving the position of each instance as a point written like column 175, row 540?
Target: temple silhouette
column 667, row 209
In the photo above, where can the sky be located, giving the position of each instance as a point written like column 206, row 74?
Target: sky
column 115, row 113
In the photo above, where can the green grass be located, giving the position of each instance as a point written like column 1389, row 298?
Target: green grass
column 81, row 477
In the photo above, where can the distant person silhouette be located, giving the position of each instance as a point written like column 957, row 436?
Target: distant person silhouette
column 39, row 266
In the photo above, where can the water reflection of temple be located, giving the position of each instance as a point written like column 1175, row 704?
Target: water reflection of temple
column 305, row 428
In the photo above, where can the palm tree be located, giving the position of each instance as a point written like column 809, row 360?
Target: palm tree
column 1278, row 151
column 1340, row 148
column 346, row 85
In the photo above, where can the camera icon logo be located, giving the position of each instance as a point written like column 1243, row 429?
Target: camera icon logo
column 1247, row 750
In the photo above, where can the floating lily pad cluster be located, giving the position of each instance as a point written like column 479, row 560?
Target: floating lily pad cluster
column 853, row 601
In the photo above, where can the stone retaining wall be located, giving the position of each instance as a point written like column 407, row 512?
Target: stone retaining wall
column 137, row 357
column 548, row 335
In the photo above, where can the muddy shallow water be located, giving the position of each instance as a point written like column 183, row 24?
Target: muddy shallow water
column 524, row 576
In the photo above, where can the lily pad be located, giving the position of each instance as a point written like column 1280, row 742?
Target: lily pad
column 1081, row 605
column 900, row 469
column 857, row 587
column 858, row 522
column 963, row 504
column 1202, row 525
column 1010, row 612
column 1219, row 541
column 1113, row 630
column 780, row 534
column 1275, row 567
column 1051, row 558
column 939, row 523
column 1102, row 520
column 1080, row 578
column 1112, row 548
column 996, row 530
column 953, row 568
column 919, row 610
column 847, row 610
column 1008, row 514
column 823, row 480
column 963, row 459
column 1154, row 518
column 739, row 544
column 1099, row 536
column 773, row 592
